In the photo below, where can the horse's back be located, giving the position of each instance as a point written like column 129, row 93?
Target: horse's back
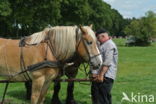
column 10, row 56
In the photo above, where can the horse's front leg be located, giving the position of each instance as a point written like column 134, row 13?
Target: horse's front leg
column 37, row 84
column 70, row 96
column 41, row 84
column 55, row 98
column 28, row 86
column 44, row 91
column 70, row 88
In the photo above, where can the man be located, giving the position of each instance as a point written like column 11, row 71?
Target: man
column 105, row 76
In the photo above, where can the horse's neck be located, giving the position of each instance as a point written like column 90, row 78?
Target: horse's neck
column 64, row 47
column 64, row 53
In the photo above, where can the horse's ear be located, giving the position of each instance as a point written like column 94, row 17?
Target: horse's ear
column 91, row 26
column 83, row 30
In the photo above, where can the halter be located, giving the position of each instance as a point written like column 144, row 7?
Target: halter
column 86, row 48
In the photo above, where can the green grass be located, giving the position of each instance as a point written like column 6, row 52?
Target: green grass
column 136, row 73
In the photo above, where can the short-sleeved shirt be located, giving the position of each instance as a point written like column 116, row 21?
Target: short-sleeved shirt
column 110, row 58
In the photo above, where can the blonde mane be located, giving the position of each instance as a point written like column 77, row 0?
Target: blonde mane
column 38, row 37
column 63, row 39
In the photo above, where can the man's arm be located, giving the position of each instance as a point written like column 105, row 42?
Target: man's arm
column 100, row 77
column 107, row 62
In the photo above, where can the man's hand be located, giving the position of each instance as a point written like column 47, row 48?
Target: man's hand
column 93, row 77
column 97, row 77
column 100, row 78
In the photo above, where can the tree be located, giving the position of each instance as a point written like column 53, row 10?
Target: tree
column 74, row 12
column 24, row 17
column 118, row 23
column 5, row 11
column 29, row 16
column 103, row 16
column 100, row 14
column 143, row 29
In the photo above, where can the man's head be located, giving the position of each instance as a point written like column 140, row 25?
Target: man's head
column 102, row 35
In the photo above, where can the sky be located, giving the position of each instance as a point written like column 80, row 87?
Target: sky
column 133, row 8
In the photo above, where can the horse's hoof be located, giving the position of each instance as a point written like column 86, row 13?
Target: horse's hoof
column 55, row 101
column 71, row 102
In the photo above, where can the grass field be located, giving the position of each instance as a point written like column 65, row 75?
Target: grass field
column 136, row 74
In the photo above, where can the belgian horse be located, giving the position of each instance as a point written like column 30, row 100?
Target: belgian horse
column 59, row 43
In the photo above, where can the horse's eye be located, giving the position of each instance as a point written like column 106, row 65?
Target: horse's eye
column 89, row 42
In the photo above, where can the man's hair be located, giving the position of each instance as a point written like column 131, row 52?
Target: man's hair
column 99, row 31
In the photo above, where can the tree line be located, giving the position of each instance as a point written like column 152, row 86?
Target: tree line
column 143, row 29
column 20, row 18
column 23, row 17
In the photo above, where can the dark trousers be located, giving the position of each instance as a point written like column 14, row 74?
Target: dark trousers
column 101, row 92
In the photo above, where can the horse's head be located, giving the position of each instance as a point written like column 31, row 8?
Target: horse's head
column 87, row 47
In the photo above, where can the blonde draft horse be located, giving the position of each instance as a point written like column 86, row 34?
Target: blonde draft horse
column 62, row 42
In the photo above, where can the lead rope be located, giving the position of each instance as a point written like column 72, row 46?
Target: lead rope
column 23, row 66
column 21, row 61
column 86, row 73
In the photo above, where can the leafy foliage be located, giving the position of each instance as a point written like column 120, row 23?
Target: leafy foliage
column 5, row 9
column 24, row 17
column 143, row 29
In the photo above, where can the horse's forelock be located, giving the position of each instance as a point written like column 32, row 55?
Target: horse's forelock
column 90, row 32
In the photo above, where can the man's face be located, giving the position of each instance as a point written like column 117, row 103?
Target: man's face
column 103, row 37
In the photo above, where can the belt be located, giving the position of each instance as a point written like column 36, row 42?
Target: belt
column 110, row 79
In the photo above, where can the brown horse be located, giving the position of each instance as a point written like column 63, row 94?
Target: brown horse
column 62, row 42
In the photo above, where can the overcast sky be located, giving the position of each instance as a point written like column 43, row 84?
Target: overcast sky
column 133, row 8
